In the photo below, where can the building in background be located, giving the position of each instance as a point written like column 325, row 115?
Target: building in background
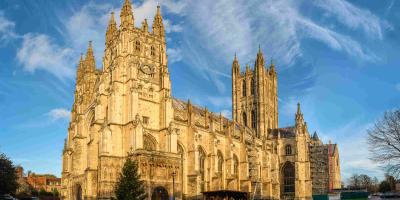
column 38, row 182
column 126, row 110
column 325, row 166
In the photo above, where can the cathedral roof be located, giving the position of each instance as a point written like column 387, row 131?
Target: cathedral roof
column 285, row 132
column 181, row 105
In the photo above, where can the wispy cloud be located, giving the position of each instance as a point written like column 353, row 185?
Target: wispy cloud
column 354, row 17
column 219, row 29
column 39, row 52
column 7, row 29
column 58, row 113
column 174, row 55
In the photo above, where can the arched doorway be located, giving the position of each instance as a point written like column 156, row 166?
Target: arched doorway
column 159, row 193
column 78, row 192
column 288, row 172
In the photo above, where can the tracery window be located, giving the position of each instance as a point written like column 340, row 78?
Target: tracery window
column 244, row 116
column 235, row 165
column 148, row 144
column 253, row 86
column 152, row 51
column 202, row 158
column 253, row 119
column 220, row 161
column 137, row 46
column 288, row 178
column 244, row 88
column 288, row 150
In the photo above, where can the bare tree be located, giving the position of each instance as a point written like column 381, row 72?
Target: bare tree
column 384, row 142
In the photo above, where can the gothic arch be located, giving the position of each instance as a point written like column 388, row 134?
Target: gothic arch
column 220, row 161
column 244, row 118
column 202, row 167
column 288, row 177
column 149, row 142
column 235, row 165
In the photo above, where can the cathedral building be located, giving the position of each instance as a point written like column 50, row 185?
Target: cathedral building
column 126, row 110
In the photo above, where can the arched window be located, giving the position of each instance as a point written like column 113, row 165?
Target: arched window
column 253, row 86
column 152, row 51
column 244, row 116
column 137, row 46
column 235, row 165
column 148, row 144
column 202, row 159
column 288, row 178
column 220, row 161
column 244, row 88
column 253, row 119
column 288, row 150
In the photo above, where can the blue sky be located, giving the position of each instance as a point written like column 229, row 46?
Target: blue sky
column 338, row 58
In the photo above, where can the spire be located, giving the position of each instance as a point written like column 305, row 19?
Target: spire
column 126, row 15
column 90, row 61
column 145, row 26
column 247, row 68
column 299, row 116
column 315, row 136
column 80, row 70
column 298, row 108
column 235, row 65
column 111, row 29
column 158, row 26
column 260, row 58
column 272, row 67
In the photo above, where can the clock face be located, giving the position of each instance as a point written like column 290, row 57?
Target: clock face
column 146, row 69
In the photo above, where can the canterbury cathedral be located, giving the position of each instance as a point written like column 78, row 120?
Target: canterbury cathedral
column 125, row 109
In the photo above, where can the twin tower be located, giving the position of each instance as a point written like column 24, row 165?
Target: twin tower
column 254, row 96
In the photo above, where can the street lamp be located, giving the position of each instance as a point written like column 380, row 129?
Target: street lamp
column 173, row 185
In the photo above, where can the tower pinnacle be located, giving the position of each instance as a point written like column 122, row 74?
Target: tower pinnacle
column 260, row 58
column 126, row 15
column 158, row 26
column 89, row 60
column 111, row 29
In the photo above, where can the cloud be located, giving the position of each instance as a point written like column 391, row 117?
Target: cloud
column 226, row 113
column 7, row 29
column 170, row 28
column 174, row 54
column 353, row 17
column 353, row 148
column 58, row 113
column 214, row 31
column 218, row 101
column 39, row 52
column 397, row 86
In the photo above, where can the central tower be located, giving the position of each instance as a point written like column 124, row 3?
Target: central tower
column 254, row 96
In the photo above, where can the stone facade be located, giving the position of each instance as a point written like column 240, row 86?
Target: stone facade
column 126, row 110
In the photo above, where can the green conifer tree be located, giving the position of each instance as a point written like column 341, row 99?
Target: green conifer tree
column 129, row 185
column 8, row 176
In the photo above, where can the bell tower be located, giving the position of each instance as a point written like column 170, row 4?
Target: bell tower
column 254, row 96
